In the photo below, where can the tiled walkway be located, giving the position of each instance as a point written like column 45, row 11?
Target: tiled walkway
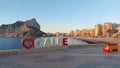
column 86, row 57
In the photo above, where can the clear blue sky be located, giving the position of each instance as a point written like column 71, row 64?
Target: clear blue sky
column 60, row 15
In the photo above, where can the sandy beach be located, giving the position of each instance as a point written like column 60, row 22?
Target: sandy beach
column 100, row 40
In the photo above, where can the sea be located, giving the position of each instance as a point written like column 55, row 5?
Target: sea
column 15, row 43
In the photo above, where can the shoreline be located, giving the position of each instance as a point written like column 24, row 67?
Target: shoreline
column 91, row 40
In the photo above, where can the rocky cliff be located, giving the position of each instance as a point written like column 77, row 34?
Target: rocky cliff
column 29, row 28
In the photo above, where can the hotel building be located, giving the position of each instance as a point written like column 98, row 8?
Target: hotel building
column 106, row 26
column 98, row 30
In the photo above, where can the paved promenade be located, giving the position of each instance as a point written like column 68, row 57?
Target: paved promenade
column 82, row 57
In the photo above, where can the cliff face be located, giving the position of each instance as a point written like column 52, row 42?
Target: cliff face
column 29, row 28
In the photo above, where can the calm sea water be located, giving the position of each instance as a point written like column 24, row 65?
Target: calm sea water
column 15, row 43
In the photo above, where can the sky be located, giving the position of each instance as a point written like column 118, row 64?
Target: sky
column 61, row 15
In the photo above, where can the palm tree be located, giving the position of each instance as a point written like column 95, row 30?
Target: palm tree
column 57, row 34
column 109, row 32
column 114, row 31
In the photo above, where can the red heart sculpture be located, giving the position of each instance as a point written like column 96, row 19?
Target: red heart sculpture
column 27, row 40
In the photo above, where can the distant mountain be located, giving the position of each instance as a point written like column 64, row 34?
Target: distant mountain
column 29, row 28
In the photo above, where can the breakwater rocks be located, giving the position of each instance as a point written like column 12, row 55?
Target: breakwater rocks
column 29, row 28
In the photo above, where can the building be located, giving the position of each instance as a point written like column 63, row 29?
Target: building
column 118, row 25
column 91, row 32
column 76, row 32
column 85, row 32
column 114, row 25
column 71, row 33
column 118, row 33
column 106, row 26
column 98, row 30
